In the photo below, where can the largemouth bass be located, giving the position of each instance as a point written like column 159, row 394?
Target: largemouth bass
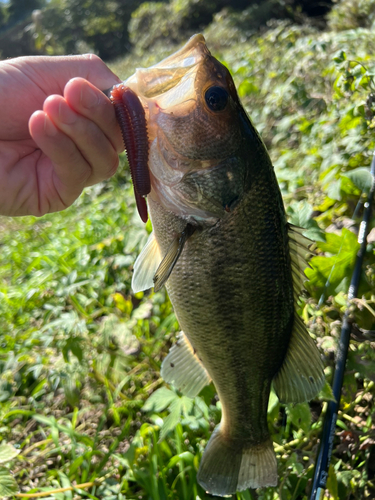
column 232, row 265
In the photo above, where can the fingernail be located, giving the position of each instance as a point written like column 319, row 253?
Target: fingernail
column 66, row 114
column 89, row 98
column 49, row 127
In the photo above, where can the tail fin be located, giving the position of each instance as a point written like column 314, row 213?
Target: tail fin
column 230, row 466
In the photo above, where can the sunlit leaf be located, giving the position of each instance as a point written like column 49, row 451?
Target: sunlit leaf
column 300, row 415
column 347, row 241
column 361, row 177
column 333, row 273
column 332, row 486
column 160, row 400
column 8, row 485
column 326, row 393
column 272, row 402
column 7, row 452
column 300, row 214
column 172, row 419
column 186, row 456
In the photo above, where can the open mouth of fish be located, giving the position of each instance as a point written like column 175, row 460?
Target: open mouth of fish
column 168, row 87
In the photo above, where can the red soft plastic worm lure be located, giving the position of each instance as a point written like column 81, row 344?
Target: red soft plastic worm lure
column 131, row 117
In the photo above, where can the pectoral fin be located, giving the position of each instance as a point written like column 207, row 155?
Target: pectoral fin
column 146, row 265
column 171, row 257
column 183, row 369
column 301, row 376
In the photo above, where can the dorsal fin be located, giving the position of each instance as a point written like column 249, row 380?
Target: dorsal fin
column 300, row 250
column 171, row 257
column 183, row 369
column 301, row 375
column 146, row 265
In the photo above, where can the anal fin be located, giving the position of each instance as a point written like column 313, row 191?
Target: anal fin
column 183, row 369
column 301, row 376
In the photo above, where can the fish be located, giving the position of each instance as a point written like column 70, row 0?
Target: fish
column 232, row 265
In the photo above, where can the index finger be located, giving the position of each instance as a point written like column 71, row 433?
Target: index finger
column 60, row 69
column 32, row 79
column 88, row 101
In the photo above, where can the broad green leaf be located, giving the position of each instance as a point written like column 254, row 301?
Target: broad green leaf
column 73, row 345
column 334, row 190
column 335, row 243
column 200, row 407
column 331, row 272
column 272, row 402
column 336, row 269
column 339, row 57
column 315, row 233
column 71, row 392
column 172, row 419
column 160, row 400
column 186, row 456
column 300, row 416
column 4, row 395
column 247, row 87
column 294, row 464
column 186, row 405
column 8, row 485
column 299, row 214
column 345, row 476
column 341, row 300
column 361, row 177
column 273, row 406
column 326, row 393
column 348, row 188
column 7, row 452
column 349, row 387
column 332, row 486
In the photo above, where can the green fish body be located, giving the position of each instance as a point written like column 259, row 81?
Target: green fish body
column 230, row 262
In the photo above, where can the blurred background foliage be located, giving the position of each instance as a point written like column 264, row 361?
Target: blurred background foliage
column 111, row 28
column 82, row 402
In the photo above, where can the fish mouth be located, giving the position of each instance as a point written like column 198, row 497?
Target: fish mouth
column 163, row 76
column 172, row 95
column 145, row 93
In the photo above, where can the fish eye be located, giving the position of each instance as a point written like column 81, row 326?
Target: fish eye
column 216, row 98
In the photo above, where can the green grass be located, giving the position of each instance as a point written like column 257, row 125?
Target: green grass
column 80, row 390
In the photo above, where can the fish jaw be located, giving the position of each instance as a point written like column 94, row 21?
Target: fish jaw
column 188, row 140
column 158, row 79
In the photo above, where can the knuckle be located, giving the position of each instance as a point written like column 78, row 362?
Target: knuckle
column 93, row 57
column 78, row 165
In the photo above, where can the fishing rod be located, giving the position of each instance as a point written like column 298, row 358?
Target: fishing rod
column 329, row 425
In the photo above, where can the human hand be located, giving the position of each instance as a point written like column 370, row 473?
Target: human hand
column 58, row 131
